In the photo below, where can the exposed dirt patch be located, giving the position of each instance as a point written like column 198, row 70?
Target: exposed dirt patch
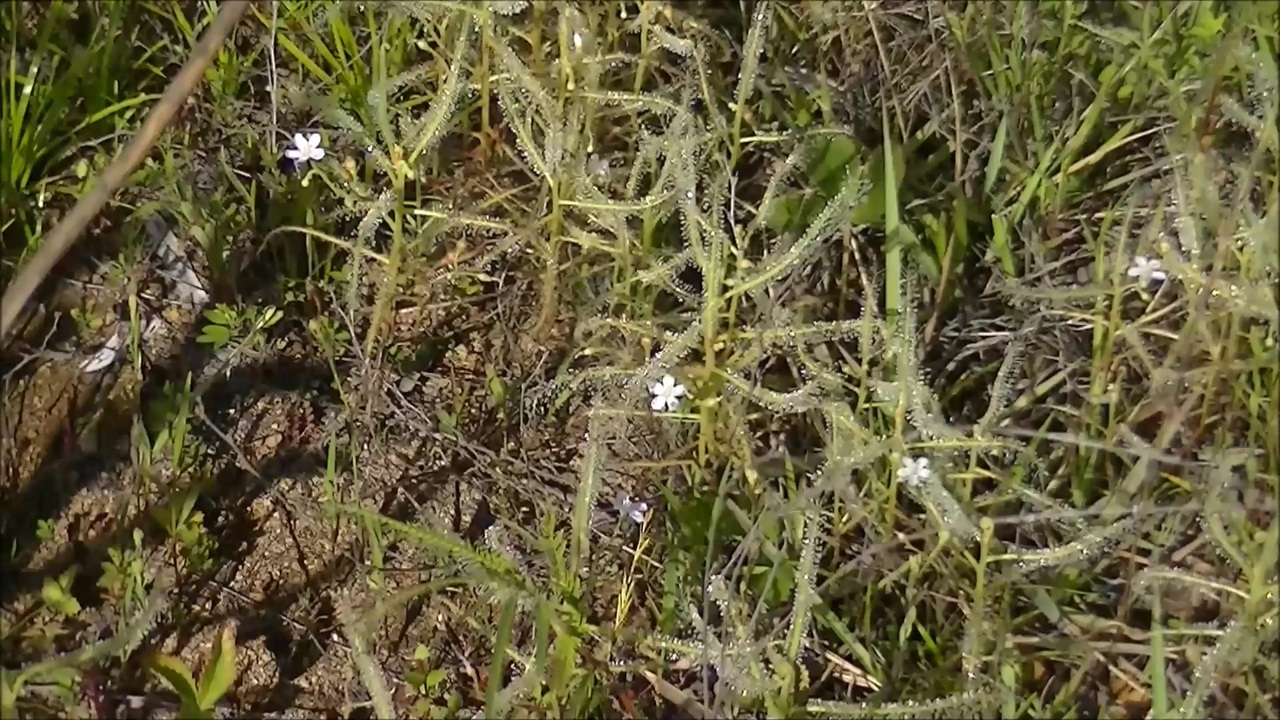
column 436, row 437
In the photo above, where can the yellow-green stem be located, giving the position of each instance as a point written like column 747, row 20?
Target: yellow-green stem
column 546, row 311
column 388, row 289
column 642, row 67
column 535, row 37
column 893, row 248
column 485, row 42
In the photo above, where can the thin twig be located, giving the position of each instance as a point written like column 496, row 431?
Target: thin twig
column 678, row 697
column 65, row 234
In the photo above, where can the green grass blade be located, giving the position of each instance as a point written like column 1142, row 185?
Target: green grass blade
column 498, row 666
column 1156, row 666
column 892, row 228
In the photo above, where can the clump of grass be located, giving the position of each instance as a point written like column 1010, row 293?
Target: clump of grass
column 75, row 75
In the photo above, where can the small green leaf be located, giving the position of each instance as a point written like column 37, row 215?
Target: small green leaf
column 221, row 671
column 1108, row 73
column 908, row 623
column 928, row 264
column 791, row 212
column 497, row 389
column 10, row 687
column 270, row 317
column 218, row 315
column 216, row 335
column 1000, row 245
column 831, row 163
column 872, row 210
column 434, row 678
column 173, row 673
column 161, row 442
column 56, row 597
column 935, row 229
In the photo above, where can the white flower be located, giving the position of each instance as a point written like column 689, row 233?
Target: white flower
column 666, row 394
column 626, row 508
column 598, row 167
column 914, row 471
column 305, row 148
column 1146, row 269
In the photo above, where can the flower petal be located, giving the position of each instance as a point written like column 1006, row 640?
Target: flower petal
column 314, row 140
column 293, row 154
column 668, row 382
column 300, row 141
column 317, row 153
column 659, row 402
column 678, row 391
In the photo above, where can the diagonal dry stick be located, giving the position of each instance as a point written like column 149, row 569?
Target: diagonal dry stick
column 65, row 233
column 678, row 697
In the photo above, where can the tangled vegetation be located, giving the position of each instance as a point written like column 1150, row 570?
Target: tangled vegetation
column 570, row 359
